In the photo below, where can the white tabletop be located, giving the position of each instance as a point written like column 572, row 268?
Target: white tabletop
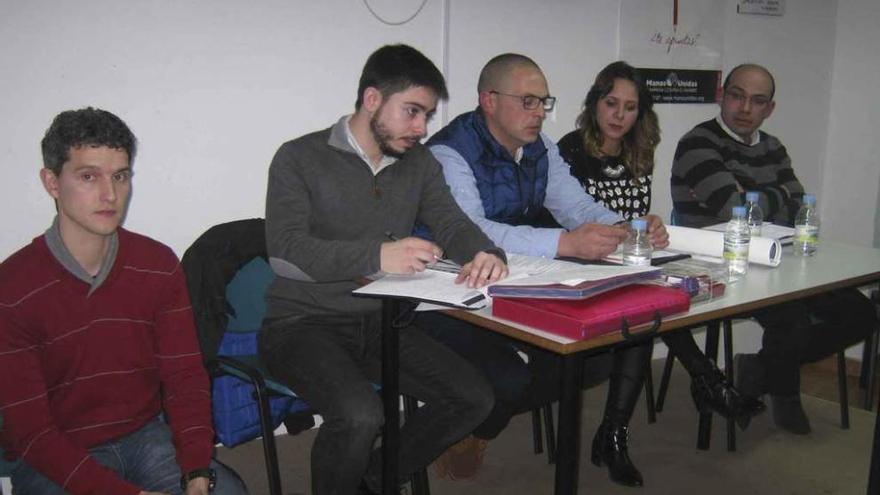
column 834, row 266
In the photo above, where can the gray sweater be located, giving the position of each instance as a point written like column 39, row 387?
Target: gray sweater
column 327, row 216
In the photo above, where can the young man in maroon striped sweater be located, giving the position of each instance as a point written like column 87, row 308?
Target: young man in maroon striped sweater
column 103, row 389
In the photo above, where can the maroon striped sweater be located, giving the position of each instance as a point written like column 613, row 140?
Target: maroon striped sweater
column 78, row 370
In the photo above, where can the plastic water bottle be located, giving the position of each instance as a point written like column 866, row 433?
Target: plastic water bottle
column 806, row 228
column 637, row 248
column 736, row 244
column 754, row 213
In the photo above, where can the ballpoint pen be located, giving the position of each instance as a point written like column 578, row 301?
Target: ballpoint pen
column 440, row 264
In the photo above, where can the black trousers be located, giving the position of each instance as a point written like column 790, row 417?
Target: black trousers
column 795, row 333
column 808, row 330
column 333, row 362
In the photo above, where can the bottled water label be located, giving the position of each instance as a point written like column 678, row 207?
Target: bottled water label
column 806, row 240
column 807, row 234
column 736, row 254
column 736, row 250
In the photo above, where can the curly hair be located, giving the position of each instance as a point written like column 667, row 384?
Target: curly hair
column 88, row 126
column 638, row 145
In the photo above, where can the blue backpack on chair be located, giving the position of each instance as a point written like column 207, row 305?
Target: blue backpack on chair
column 227, row 276
column 236, row 414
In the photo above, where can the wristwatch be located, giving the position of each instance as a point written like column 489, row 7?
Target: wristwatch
column 199, row 473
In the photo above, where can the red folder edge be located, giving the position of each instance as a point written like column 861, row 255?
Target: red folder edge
column 604, row 313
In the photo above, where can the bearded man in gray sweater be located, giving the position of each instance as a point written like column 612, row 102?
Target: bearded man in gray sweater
column 336, row 198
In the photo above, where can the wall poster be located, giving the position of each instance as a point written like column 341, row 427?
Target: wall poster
column 676, row 45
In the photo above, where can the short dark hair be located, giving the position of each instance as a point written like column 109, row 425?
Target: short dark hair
column 751, row 66
column 395, row 68
column 88, row 126
column 499, row 67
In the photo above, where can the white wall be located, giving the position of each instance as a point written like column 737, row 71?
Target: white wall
column 852, row 165
column 212, row 88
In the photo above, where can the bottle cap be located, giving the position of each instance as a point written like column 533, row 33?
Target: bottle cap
column 639, row 224
column 739, row 211
column 810, row 199
column 752, row 196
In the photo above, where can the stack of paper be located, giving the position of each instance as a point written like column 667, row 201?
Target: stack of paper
column 526, row 274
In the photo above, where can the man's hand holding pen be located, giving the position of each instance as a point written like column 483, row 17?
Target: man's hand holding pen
column 408, row 255
column 413, row 254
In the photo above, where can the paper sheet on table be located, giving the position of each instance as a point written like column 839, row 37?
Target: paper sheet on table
column 519, row 267
column 762, row 250
column 532, row 270
column 429, row 285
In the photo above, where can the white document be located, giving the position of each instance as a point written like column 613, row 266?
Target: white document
column 531, row 270
column 433, row 286
column 429, row 285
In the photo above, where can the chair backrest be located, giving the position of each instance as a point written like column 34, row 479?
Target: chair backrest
column 227, row 277
column 210, row 264
column 246, row 294
column 674, row 218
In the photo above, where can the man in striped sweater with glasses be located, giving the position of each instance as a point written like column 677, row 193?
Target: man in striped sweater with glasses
column 715, row 164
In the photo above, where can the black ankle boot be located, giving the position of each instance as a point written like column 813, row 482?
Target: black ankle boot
column 609, row 447
column 712, row 392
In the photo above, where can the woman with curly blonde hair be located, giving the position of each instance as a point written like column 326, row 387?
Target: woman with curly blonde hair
column 612, row 150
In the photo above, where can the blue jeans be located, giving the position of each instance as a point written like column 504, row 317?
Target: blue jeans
column 145, row 458
column 332, row 362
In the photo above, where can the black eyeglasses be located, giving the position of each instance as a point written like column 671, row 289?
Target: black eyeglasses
column 531, row 102
column 739, row 97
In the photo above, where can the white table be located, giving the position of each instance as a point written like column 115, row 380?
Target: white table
column 835, row 266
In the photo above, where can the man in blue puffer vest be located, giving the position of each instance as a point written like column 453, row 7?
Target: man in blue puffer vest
column 509, row 178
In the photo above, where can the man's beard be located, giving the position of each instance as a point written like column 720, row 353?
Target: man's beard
column 383, row 137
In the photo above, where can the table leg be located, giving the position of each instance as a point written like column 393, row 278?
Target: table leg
column 728, row 370
column 568, row 447
column 390, row 397
column 874, row 470
column 704, row 431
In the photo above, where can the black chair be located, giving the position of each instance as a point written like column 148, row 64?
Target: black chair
column 210, row 264
column 213, row 261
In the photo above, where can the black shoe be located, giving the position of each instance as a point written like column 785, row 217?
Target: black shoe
column 788, row 414
column 750, row 375
column 609, row 447
column 363, row 489
column 712, row 392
